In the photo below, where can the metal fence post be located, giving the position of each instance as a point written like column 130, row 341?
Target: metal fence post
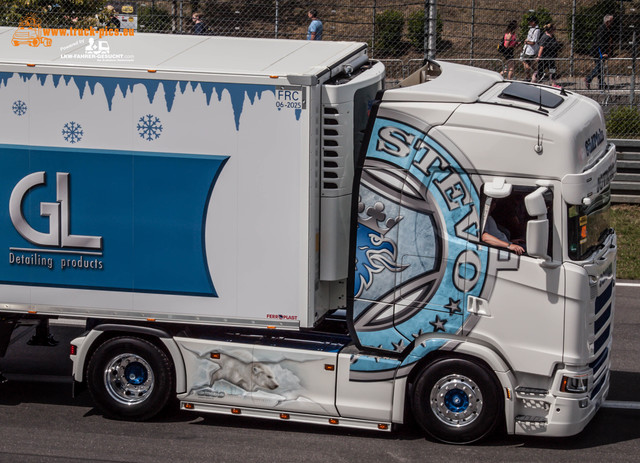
column 573, row 38
column 632, row 84
column 373, row 29
column 620, row 27
column 425, row 36
column 473, row 29
column 181, row 16
column 174, row 11
column 432, row 29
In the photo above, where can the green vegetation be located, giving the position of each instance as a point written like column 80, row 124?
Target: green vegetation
column 415, row 29
column 389, row 26
column 153, row 19
column 623, row 122
column 61, row 13
column 626, row 221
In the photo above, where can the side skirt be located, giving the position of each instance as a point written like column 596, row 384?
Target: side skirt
column 286, row 416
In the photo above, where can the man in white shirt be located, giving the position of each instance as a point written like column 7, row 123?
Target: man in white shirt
column 530, row 50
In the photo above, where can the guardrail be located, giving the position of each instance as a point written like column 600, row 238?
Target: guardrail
column 626, row 184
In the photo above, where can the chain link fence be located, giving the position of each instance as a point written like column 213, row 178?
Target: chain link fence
column 401, row 33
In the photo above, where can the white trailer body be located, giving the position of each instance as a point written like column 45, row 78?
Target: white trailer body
column 169, row 174
column 204, row 207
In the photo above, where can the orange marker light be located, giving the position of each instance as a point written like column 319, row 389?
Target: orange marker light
column 563, row 384
column 334, row 421
column 189, row 406
column 236, row 411
column 383, row 427
column 215, row 355
column 284, row 416
column 329, row 367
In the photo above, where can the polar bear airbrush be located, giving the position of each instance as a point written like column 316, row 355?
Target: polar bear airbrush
column 249, row 376
column 240, row 370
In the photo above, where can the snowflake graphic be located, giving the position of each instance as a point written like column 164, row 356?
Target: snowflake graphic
column 19, row 107
column 149, row 127
column 72, row 132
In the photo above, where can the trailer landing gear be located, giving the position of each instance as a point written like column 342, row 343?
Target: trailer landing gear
column 43, row 336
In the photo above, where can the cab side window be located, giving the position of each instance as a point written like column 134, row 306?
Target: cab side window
column 504, row 220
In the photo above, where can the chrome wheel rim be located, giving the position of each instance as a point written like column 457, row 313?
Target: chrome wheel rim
column 456, row 400
column 129, row 379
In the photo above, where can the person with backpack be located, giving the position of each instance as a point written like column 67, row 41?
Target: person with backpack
column 548, row 48
column 507, row 47
column 530, row 50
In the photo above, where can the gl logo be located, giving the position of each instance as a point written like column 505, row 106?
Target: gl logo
column 58, row 214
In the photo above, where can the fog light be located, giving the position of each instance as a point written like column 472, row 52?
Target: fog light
column 574, row 385
column 584, row 403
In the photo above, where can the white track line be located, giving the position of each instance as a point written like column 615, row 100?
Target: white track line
column 636, row 285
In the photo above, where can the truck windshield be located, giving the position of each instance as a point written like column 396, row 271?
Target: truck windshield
column 589, row 226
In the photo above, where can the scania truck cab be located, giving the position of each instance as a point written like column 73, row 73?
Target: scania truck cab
column 442, row 148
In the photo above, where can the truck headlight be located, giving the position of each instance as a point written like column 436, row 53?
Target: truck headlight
column 574, row 384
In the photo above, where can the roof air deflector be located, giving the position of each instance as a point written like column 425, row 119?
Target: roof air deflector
column 531, row 94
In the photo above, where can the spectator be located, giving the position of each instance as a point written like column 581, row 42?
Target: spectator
column 530, row 50
column 547, row 54
column 199, row 27
column 510, row 42
column 315, row 27
column 601, row 50
column 112, row 21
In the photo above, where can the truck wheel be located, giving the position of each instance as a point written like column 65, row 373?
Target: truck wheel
column 130, row 378
column 457, row 401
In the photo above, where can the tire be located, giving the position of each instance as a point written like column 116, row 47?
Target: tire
column 130, row 378
column 457, row 401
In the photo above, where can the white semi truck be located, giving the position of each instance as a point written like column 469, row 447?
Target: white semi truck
column 258, row 228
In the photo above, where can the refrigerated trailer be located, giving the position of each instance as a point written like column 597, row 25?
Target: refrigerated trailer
column 258, row 227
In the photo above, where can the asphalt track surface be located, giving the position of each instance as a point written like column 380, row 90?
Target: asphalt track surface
column 41, row 422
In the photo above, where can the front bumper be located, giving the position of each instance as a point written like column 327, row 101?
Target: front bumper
column 558, row 416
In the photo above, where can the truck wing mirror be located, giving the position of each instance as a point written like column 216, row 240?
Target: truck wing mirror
column 538, row 228
column 534, row 202
column 538, row 238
